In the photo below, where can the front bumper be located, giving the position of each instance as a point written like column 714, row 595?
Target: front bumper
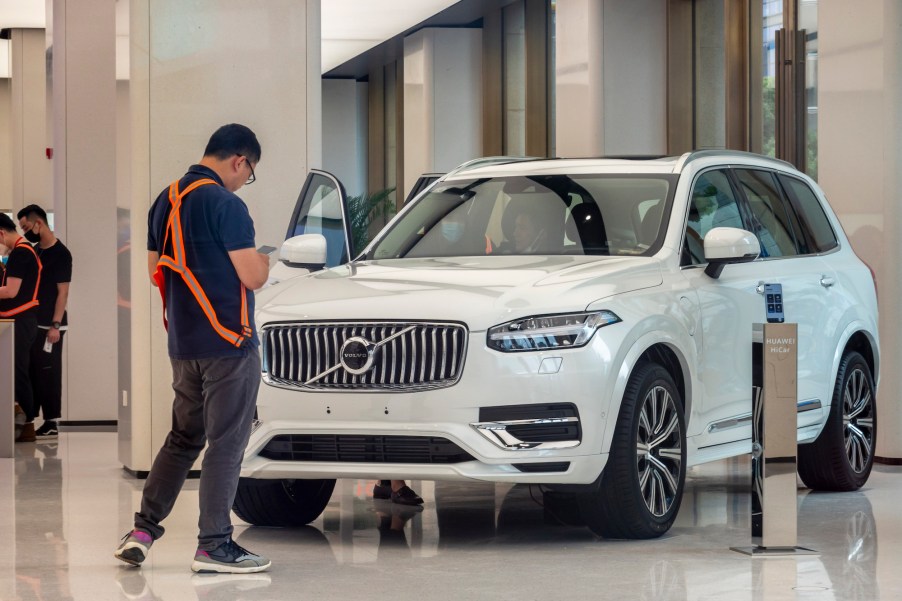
column 490, row 379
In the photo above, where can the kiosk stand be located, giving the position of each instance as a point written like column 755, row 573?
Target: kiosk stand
column 7, row 394
column 774, row 442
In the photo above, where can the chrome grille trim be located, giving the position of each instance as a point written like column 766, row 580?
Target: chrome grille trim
column 414, row 355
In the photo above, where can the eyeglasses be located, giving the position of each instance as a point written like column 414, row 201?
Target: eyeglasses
column 253, row 177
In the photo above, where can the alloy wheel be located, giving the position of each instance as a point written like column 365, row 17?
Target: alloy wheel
column 659, row 450
column 858, row 420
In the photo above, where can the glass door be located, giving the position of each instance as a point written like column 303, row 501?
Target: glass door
column 808, row 25
column 764, row 70
column 783, row 86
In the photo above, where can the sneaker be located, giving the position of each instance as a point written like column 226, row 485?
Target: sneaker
column 382, row 489
column 26, row 434
column 229, row 558
column 406, row 496
column 48, row 429
column 134, row 547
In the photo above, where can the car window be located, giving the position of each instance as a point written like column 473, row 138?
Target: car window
column 539, row 214
column 771, row 222
column 712, row 204
column 813, row 221
column 321, row 213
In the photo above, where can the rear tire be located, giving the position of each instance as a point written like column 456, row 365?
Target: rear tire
column 285, row 503
column 841, row 457
column 642, row 483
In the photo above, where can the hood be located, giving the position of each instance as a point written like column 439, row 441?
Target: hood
column 479, row 291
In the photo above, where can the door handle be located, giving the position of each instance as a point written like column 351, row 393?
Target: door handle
column 827, row 281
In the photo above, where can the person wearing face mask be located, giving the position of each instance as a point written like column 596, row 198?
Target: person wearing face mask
column 19, row 302
column 453, row 229
column 53, row 294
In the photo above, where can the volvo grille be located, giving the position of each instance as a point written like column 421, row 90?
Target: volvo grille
column 361, row 356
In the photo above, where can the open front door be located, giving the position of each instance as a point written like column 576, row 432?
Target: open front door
column 319, row 230
column 322, row 209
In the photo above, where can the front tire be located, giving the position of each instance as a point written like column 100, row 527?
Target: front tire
column 841, row 457
column 642, row 483
column 285, row 503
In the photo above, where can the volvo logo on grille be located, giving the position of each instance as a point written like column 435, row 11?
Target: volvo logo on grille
column 357, row 355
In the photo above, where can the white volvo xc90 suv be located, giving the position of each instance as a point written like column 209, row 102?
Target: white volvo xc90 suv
column 582, row 324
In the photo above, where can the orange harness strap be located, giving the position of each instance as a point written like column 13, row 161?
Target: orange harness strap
column 34, row 298
column 176, row 262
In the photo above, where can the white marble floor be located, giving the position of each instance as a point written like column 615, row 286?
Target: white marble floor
column 64, row 506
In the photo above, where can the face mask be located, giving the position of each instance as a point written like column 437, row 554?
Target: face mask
column 4, row 259
column 452, row 231
column 32, row 237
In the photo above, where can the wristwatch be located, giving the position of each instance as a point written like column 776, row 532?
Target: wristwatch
column 56, row 325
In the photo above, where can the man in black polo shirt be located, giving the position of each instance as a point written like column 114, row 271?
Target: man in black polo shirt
column 53, row 294
column 19, row 301
column 207, row 267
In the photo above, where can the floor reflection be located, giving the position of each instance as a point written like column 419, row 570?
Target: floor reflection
column 851, row 565
column 42, row 567
column 470, row 541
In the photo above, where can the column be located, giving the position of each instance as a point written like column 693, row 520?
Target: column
column 30, row 174
column 345, row 133
column 83, row 97
column 442, row 100
column 860, row 90
column 604, row 48
column 194, row 67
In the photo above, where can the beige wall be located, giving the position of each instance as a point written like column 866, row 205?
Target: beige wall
column 83, row 100
column 860, row 162
column 611, row 77
column 196, row 66
column 442, row 100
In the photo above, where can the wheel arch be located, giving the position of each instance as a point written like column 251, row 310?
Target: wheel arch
column 657, row 347
column 670, row 359
column 861, row 342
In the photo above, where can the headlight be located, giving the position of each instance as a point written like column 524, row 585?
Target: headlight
column 569, row 330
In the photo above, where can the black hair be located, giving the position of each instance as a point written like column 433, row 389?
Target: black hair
column 233, row 139
column 33, row 211
column 6, row 223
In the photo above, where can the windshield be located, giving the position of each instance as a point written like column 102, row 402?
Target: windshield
column 527, row 215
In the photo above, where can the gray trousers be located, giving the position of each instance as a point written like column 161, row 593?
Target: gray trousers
column 214, row 404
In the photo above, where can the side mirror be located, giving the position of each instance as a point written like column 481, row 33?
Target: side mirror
column 726, row 245
column 306, row 250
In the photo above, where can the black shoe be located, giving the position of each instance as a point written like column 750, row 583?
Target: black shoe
column 48, row 429
column 382, row 490
column 406, row 496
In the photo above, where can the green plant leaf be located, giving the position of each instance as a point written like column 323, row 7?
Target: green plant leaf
column 366, row 209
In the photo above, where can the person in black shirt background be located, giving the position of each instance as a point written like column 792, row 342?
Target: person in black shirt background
column 18, row 301
column 46, row 369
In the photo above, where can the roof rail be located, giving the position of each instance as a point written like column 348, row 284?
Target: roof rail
column 695, row 155
column 486, row 161
column 635, row 157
